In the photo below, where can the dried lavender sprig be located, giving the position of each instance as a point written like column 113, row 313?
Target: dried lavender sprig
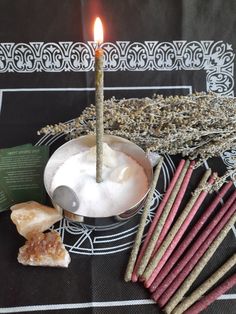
column 139, row 234
column 199, row 125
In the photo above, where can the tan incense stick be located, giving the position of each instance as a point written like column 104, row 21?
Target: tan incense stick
column 158, row 255
column 179, row 235
column 159, row 211
column 194, row 252
column 210, row 297
column 138, row 239
column 99, row 112
column 178, row 296
column 205, row 286
column 162, row 220
column 174, row 264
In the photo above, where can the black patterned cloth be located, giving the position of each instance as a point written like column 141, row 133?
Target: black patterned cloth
column 46, row 76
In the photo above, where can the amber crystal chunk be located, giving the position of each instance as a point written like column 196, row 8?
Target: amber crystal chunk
column 31, row 217
column 44, row 249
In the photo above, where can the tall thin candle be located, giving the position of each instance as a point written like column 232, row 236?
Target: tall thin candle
column 99, row 97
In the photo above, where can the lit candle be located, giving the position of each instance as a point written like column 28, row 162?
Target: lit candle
column 99, row 59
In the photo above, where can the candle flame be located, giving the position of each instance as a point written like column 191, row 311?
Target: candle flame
column 98, row 31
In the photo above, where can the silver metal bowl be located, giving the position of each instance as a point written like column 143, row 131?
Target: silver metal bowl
column 84, row 143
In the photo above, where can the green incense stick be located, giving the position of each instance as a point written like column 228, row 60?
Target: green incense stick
column 138, row 239
column 178, row 296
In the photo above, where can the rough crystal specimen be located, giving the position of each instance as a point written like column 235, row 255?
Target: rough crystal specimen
column 44, row 249
column 31, row 217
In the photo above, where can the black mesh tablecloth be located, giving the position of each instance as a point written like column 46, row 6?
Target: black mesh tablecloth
column 94, row 283
column 46, row 76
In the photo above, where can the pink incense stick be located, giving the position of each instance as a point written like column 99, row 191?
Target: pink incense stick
column 158, row 282
column 209, row 298
column 196, row 254
column 175, row 206
column 159, row 211
column 179, row 234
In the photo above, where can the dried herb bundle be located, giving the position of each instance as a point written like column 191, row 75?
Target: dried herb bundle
column 199, row 125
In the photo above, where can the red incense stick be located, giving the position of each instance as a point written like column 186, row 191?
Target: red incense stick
column 159, row 211
column 196, row 255
column 179, row 234
column 188, row 239
column 209, row 298
column 179, row 296
column 175, row 206
column 152, row 264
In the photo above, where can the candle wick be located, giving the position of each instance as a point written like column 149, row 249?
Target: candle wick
column 98, row 45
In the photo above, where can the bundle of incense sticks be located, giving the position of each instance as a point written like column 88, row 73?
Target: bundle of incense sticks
column 204, row 287
column 178, row 236
column 152, row 268
column 175, row 207
column 168, row 198
column 209, row 298
column 168, row 276
column 179, row 294
column 165, row 277
column 196, row 255
column 138, row 239
column 160, row 224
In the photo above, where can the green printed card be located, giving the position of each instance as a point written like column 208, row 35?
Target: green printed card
column 21, row 173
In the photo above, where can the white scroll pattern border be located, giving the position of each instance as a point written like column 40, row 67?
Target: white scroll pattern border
column 229, row 159
column 216, row 58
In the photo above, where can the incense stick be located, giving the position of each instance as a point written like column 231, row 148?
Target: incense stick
column 195, row 252
column 157, row 217
column 157, row 257
column 166, row 276
column 175, row 206
column 205, row 286
column 178, row 236
column 177, row 297
column 212, row 296
column 161, row 222
column 141, row 227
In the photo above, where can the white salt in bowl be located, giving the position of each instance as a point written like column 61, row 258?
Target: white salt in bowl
column 83, row 144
